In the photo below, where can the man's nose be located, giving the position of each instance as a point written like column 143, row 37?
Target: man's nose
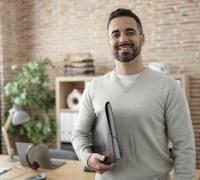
column 123, row 38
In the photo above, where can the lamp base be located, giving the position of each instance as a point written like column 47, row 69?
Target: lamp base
column 13, row 159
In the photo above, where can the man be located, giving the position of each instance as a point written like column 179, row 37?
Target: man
column 149, row 108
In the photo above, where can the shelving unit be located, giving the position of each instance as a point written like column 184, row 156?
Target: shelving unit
column 65, row 116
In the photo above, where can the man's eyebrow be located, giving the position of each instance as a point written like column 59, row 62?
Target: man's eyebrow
column 127, row 29
column 115, row 31
column 130, row 29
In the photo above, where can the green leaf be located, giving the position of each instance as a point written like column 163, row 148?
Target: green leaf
column 29, row 88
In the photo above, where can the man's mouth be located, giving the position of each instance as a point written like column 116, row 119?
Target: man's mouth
column 125, row 47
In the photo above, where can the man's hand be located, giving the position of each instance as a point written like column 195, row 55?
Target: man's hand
column 95, row 162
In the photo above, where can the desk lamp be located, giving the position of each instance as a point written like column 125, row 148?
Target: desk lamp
column 17, row 116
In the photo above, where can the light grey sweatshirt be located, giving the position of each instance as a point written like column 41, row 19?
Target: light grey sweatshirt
column 148, row 112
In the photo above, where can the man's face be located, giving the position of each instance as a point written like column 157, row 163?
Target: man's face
column 125, row 39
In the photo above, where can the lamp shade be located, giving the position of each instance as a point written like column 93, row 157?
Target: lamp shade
column 19, row 116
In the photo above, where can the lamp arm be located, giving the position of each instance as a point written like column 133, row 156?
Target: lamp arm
column 9, row 149
column 11, row 112
column 4, row 128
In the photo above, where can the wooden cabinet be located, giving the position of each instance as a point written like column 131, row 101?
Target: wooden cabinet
column 66, row 117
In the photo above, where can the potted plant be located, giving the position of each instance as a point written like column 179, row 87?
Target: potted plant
column 29, row 89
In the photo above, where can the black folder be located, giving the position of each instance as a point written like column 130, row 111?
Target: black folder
column 105, row 139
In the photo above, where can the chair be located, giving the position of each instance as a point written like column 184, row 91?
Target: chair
column 62, row 154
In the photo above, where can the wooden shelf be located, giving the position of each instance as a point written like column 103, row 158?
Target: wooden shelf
column 64, row 115
column 67, row 110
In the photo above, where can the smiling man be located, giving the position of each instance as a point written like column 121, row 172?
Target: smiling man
column 149, row 109
column 126, row 41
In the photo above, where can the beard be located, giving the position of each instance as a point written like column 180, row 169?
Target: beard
column 127, row 56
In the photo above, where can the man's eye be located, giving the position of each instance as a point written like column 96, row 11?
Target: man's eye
column 130, row 33
column 115, row 35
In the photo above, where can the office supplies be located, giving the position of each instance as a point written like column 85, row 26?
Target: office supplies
column 32, row 164
column 105, row 139
column 87, row 169
column 39, row 176
column 39, row 153
column 4, row 170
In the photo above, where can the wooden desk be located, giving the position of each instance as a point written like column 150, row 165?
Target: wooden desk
column 71, row 170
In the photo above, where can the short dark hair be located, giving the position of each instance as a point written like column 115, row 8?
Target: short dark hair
column 125, row 12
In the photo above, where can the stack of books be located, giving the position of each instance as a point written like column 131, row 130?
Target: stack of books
column 79, row 64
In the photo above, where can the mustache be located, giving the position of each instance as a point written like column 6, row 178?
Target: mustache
column 124, row 44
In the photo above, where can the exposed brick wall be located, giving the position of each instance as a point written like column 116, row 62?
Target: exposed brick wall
column 0, row 65
column 49, row 28
column 11, row 50
column 195, row 111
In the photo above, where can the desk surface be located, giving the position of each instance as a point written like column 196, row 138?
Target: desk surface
column 71, row 170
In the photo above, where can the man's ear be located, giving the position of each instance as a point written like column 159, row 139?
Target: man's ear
column 108, row 41
column 108, row 37
column 142, row 38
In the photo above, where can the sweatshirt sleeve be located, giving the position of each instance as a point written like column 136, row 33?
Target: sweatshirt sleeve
column 180, row 132
column 82, row 135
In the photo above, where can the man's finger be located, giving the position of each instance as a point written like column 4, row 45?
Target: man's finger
column 100, row 157
column 103, row 167
column 96, row 162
